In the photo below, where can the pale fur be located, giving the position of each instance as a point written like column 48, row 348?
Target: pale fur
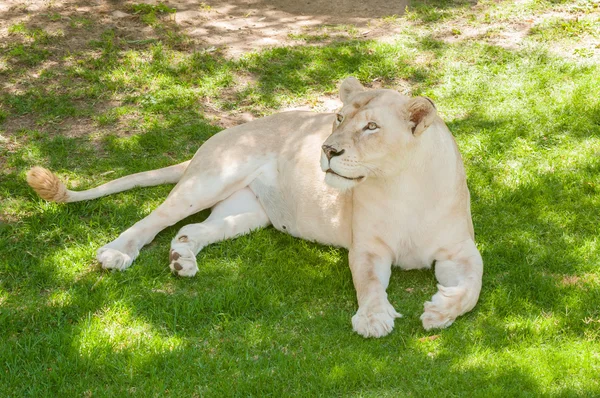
column 392, row 195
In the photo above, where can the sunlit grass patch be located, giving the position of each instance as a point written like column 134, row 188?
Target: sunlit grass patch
column 149, row 13
column 576, row 27
column 308, row 38
column 115, row 330
column 36, row 35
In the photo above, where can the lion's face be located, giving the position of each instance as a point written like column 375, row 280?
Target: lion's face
column 373, row 134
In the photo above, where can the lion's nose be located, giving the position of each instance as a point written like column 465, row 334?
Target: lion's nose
column 331, row 151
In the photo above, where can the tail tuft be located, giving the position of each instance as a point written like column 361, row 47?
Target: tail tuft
column 47, row 185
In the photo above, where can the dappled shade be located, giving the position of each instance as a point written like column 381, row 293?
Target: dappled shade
column 268, row 314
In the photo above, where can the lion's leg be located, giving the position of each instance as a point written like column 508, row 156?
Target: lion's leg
column 459, row 272
column 371, row 274
column 237, row 215
column 120, row 253
column 196, row 191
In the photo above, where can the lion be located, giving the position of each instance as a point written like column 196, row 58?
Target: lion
column 383, row 178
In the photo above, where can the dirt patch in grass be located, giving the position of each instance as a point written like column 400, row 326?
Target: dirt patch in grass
column 235, row 27
column 39, row 39
column 242, row 26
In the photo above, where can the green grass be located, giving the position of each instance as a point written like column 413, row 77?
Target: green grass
column 267, row 314
column 148, row 13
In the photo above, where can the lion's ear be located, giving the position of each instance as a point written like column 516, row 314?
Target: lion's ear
column 349, row 87
column 422, row 113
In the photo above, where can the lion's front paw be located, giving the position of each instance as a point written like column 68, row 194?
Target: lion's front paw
column 443, row 308
column 113, row 258
column 375, row 320
column 182, row 261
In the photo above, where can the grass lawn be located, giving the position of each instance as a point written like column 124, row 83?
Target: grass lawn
column 269, row 315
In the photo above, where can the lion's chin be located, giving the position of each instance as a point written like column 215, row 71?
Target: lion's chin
column 336, row 181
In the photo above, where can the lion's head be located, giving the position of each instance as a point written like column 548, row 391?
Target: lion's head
column 374, row 134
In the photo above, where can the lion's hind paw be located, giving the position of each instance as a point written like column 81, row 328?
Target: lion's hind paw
column 182, row 261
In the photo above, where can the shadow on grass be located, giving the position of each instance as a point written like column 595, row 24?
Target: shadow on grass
column 281, row 325
column 130, row 64
column 269, row 308
column 268, row 314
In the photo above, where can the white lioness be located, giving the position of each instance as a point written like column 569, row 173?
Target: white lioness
column 388, row 184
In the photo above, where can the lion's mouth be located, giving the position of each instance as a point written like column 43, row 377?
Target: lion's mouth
column 347, row 178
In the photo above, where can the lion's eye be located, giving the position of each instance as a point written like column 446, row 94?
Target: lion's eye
column 372, row 126
column 340, row 118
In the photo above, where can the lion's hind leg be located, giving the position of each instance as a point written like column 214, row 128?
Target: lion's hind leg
column 121, row 252
column 459, row 272
column 199, row 189
column 237, row 215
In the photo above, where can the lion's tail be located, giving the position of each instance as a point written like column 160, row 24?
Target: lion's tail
column 49, row 187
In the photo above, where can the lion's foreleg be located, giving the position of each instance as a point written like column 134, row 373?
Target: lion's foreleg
column 459, row 274
column 371, row 274
column 237, row 215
